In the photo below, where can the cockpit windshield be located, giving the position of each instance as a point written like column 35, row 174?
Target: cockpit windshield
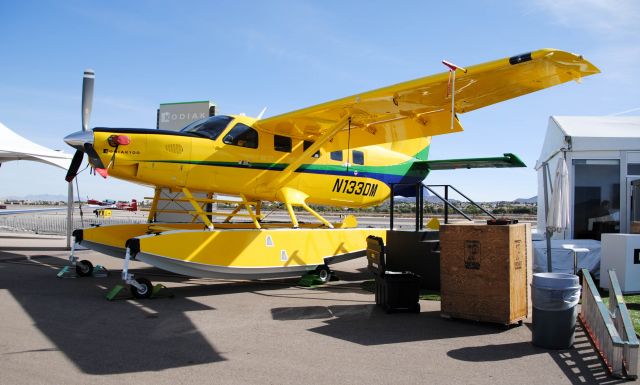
column 210, row 127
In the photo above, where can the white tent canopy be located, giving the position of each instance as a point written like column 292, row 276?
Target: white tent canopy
column 15, row 147
column 584, row 140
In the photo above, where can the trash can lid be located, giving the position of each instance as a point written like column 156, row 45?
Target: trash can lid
column 555, row 280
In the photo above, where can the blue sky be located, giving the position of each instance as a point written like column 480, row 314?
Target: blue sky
column 286, row 55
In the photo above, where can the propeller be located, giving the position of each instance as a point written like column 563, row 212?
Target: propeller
column 75, row 165
column 87, row 103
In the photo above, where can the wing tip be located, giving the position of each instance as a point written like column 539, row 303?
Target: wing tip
column 586, row 67
column 514, row 160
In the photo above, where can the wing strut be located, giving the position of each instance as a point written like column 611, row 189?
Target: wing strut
column 293, row 166
column 452, row 86
column 349, row 146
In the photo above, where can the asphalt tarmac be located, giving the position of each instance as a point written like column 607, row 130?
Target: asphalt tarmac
column 64, row 331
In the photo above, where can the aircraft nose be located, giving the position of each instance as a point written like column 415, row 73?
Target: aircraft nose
column 78, row 139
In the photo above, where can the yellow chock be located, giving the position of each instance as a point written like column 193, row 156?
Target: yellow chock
column 433, row 224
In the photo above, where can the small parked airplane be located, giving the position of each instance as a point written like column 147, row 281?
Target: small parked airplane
column 113, row 205
column 345, row 153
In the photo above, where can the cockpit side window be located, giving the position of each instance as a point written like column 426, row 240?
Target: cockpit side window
column 210, row 127
column 243, row 136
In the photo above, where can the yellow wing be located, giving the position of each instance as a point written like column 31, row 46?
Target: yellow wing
column 422, row 107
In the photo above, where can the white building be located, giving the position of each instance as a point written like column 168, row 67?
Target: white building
column 603, row 157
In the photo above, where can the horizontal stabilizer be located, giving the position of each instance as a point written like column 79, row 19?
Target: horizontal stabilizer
column 508, row 160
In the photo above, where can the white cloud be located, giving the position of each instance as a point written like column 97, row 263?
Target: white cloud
column 611, row 29
column 606, row 18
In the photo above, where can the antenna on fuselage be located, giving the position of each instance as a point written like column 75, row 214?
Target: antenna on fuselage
column 261, row 113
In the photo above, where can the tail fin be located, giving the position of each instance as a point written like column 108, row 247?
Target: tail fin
column 134, row 205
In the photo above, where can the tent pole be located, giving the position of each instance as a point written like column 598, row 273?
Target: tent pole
column 69, row 214
column 545, row 171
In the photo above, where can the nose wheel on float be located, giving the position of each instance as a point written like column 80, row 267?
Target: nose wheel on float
column 324, row 273
column 82, row 268
column 140, row 288
column 321, row 275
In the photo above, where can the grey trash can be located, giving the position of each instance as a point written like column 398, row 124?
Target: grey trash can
column 555, row 298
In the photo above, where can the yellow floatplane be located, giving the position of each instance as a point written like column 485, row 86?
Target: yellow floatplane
column 342, row 153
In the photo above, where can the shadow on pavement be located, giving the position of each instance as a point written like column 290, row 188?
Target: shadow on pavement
column 581, row 364
column 100, row 337
column 493, row 352
column 346, row 323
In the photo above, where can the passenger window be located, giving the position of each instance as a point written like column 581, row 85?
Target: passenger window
column 306, row 144
column 281, row 143
column 358, row 157
column 336, row 155
column 243, row 136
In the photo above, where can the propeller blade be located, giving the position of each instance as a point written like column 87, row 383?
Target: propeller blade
column 87, row 97
column 93, row 156
column 75, row 165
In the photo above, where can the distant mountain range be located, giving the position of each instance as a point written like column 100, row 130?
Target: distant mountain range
column 38, row 197
column 434, row 199
column 527, row 200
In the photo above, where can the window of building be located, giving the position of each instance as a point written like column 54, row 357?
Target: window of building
column 243, row 136
column 282, row 143
column 358, row 157
column 306, row 144
column 633, row 169
column 336, row 155
column 596, row 207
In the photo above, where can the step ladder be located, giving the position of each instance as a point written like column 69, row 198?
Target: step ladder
column 610, row 329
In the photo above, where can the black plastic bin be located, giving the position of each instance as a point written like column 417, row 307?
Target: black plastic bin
column 395, row 291
column 398, row 291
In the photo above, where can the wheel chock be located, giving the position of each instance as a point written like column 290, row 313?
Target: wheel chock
column 100, row 271
column 310, row 280
column 433, row 224
column 161, row 291
column 67, row 272
column 114, row 292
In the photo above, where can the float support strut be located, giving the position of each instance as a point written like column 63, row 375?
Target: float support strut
column 203, row 216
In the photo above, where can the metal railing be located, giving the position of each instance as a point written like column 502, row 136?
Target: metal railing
column 419, row 192
column 57, row 224
column 618, row 351
column 448, row 204
column 624, row 326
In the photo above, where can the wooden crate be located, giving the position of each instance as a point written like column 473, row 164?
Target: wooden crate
column 484, row 272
